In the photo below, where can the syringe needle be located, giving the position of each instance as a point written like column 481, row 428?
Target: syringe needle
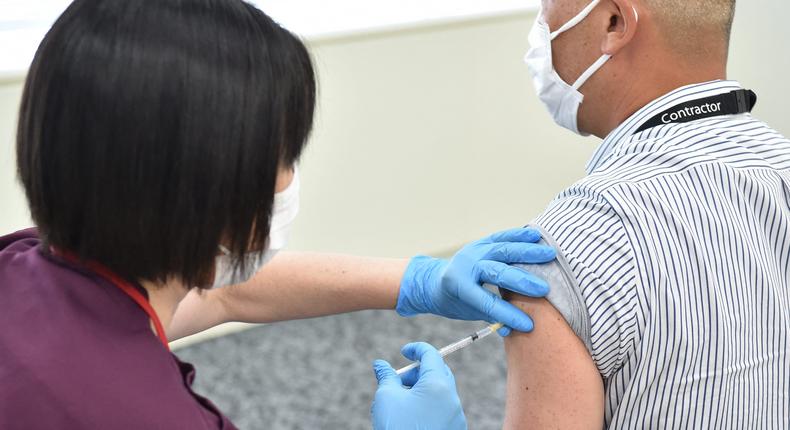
column 453, row 347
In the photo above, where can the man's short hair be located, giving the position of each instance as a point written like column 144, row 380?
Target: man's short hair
column 685, row 20
column 151, row 131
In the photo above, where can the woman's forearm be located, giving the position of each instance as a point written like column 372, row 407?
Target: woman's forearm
column 306, row 285
column 294, row 286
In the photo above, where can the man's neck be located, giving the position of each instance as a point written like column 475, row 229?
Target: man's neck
column 639, row 93
column 164, row 298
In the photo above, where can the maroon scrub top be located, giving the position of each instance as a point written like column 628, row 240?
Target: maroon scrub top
column 76, row 352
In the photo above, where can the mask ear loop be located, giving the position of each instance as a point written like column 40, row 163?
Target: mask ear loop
column 597, row 65
column 293, row 188
column 575, row 20
column 589, row 72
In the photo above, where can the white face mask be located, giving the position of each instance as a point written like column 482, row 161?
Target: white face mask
column 286, row 206
column 561, row 99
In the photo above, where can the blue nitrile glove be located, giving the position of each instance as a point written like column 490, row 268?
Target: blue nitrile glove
column 432, row 403
column 454, row 289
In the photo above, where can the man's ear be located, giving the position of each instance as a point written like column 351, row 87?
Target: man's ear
column 623, row 24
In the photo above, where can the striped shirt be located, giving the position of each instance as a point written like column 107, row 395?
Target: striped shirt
column 679, row 242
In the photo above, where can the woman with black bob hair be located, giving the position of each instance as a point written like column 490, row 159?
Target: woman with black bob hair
column 157, row 147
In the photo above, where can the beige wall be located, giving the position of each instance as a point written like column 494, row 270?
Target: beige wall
column 427, row 139
column 13, row 208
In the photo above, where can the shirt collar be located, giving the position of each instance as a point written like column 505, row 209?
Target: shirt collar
column 629, row 127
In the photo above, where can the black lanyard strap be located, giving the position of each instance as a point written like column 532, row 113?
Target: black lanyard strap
column 732, row 103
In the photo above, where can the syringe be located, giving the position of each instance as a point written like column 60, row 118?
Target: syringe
column 461, row 344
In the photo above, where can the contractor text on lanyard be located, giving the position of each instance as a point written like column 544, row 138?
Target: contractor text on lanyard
column 732, row 103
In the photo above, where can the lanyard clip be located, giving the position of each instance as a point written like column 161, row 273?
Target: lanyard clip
column 740, row 99
column 745, row 99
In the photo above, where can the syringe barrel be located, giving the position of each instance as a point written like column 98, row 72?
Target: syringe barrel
column 449, row 349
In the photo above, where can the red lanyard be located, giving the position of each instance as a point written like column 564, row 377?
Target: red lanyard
column 122, row 285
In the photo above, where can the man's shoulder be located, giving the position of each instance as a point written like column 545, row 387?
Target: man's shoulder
column 734, row 142
column 588, row 224
column 590, row 193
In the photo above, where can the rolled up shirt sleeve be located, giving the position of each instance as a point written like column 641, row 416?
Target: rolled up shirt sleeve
column 597, row 261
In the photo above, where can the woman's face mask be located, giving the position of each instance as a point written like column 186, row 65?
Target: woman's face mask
column 286, row 207
column 561, row 99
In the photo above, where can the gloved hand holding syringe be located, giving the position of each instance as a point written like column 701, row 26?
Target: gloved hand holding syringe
column 453, row 347
column 430, row 391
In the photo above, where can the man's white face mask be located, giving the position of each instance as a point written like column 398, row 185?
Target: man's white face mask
column 286, row 207
column 561, row 99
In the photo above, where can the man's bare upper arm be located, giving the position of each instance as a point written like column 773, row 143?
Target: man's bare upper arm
column 552, row 380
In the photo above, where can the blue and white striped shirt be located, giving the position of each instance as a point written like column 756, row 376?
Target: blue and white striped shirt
column 679, row 240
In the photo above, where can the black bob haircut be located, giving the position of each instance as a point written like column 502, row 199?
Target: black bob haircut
column 151, row 131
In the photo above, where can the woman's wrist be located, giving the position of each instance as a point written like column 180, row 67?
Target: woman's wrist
column 413, row 297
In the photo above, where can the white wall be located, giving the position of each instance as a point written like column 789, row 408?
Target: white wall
column 430, row 138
